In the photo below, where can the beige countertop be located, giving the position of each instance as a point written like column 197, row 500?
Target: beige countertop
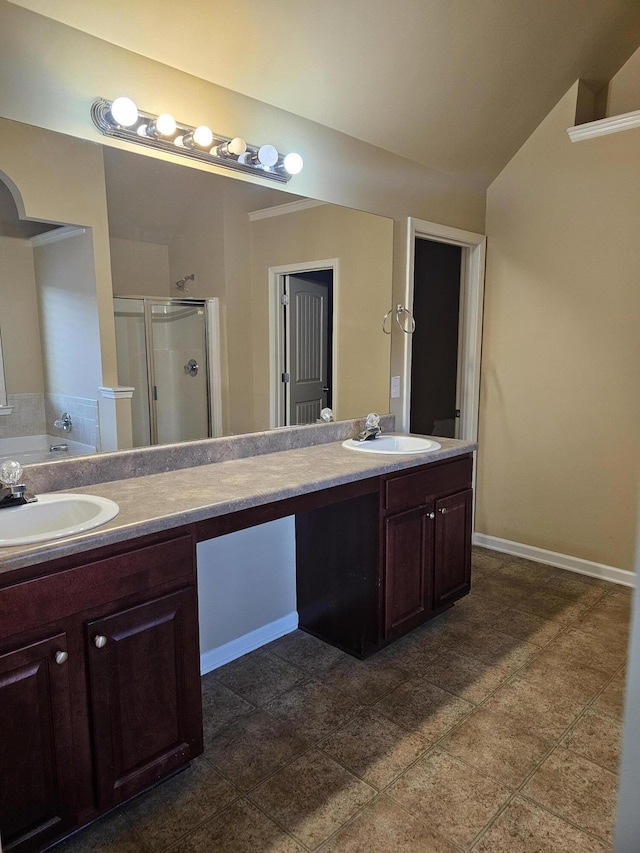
column 156, row 502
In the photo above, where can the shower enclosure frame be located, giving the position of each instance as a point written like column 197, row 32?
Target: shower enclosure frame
column 211, row 308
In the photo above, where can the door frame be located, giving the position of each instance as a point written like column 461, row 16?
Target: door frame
column 471, row 307
column 276, row 343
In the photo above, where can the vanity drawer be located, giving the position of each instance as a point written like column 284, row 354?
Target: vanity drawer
column 410, row 490
column 49, row 598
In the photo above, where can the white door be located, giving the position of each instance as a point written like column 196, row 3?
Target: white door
column 307, row 330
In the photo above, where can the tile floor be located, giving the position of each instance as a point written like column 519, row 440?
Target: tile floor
column 496, row 727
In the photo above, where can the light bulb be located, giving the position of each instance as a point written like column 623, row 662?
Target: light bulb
column 237, row 146
column 293, row 163
column 234, row 147
column 124, row 112
column 203, row 136
column 268, row 155
column 165, row 125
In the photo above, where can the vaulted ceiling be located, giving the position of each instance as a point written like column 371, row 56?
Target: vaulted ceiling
column 457, row 85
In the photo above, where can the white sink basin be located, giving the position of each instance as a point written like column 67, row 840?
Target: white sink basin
column 54, row 517
column 394, row 444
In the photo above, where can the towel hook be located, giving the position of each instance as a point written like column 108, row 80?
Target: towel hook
column 407, row 324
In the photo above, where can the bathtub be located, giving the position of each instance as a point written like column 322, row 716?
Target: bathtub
column 31, row 449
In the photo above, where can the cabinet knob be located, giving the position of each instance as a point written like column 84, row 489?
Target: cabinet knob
column 100, row 641
column 431, row 515
column 442, row 509
column 61, row 657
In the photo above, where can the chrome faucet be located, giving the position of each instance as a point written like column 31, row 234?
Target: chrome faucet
column 372, row 428
column 13, row 493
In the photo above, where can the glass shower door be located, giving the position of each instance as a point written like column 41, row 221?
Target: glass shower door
column 180, row 392
column 133, row 369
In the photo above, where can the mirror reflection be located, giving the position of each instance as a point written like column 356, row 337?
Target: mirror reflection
column 154, row 302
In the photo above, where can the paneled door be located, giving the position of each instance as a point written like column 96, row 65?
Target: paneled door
column 307, row 312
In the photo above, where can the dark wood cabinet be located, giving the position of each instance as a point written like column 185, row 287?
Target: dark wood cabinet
column 37, row 795
column 373, row 568
column 140, row 694
column 103, row 701
column 452, row 575
column 408, row 570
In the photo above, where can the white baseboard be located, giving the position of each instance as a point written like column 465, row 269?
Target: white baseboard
column 248, row 642
column 551, row 558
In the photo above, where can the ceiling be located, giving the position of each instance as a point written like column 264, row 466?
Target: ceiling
column 456, row 85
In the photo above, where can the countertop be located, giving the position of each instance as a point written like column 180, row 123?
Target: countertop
column 161, row 501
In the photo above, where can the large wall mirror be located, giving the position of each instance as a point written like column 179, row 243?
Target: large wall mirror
column 227, row 306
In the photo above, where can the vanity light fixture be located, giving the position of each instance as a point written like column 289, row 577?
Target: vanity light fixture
column 122, row 119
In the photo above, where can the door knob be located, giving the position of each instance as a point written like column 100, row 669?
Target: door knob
column 100, row 641
column 431, row 515
column 442, row 509
column 61, row 657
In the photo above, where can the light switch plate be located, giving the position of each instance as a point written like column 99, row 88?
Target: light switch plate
column 395, row 386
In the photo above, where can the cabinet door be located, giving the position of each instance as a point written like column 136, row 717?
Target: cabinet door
column 36, row 747
column 408, row 570
column 452, row 568
column 145, row 694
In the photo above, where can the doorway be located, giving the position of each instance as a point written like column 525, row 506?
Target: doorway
column 471, row 247
column 302, row 342
column 435, row 351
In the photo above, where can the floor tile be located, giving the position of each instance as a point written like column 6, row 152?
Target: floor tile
column 240, row 828
column 576, row 789
column 535, row 630
column 313, row 710
column 596, row 737
column 577, row 587
column 584, row 649
column 253, row 748
column 220, row 707
column 412, row 654
column 366, row 681
column 312, row 797
column 611, row 700
column 547, row 605
column 374, row 748
column 449, row 796
column 112, row 834
column 259, row 676
column 423, row 708
column 306, row 652
column 525, row 575
column 524, row 827
column 467, row 677
column 165, row 814
column 494, row 647
column 536, row 710
column 497, row 746
column 384, row 826
column 553, row 673
column 608, row 621
column 482, row 558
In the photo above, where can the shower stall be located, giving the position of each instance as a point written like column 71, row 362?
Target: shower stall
column 168, row 350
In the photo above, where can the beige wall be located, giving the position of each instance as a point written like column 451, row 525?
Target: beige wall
column 40, row 167
column 623, row 95
column 363, row 246
column 19, row 323
column 66, row 284
column 139, row 268
column 560, row 410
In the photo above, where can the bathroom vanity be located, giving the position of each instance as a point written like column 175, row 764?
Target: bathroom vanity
column 99, row 662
